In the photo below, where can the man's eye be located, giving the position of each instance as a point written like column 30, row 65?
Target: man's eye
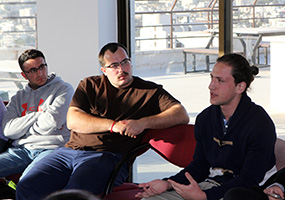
column 115, row 65
column 124, row 62
column 41, row 67
column 33, row 70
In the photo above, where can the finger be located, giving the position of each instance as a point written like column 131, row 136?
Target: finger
column 129, row 134
column 141, row 185
column 142, row 195
column 266, row 191
column 123, row 121
column 176, row 188
column 139, row 195
column 147, row 193
column 126, row 132
column 171, row 182
column 279, row 192
column 174, row 184
column 190, row 178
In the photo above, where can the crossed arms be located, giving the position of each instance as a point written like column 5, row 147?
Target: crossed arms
column 82, row 122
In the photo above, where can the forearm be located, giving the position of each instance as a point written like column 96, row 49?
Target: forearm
column 53, row 116
column 48, row 122
column 278, row 177
column 82, row 122
column 16, row 127
column 170, row 117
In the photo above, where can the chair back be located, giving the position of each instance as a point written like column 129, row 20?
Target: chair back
column 280, row 153
column 175, row 144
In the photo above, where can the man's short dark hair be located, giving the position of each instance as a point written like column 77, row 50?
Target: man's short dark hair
column 29, row 54
column 113, row 47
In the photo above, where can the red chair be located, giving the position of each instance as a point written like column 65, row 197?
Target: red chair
column 175, row 144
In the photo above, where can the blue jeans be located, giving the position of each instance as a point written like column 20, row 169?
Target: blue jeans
column 16, row 160
column 66, row 168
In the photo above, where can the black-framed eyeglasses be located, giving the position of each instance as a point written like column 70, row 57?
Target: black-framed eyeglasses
column 35, row 70
column 123, row 63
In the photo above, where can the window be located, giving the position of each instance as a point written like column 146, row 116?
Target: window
column 18, row 27
column 18, row 24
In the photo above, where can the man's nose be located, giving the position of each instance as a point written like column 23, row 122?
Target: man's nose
column 40, row 72
column 211, row 85
column 121, row 67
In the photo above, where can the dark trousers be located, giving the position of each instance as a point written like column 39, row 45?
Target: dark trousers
column 66, row 168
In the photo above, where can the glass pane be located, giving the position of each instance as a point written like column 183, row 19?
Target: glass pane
column 18, row 29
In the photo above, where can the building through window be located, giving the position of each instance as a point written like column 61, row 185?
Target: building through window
column 18, row 27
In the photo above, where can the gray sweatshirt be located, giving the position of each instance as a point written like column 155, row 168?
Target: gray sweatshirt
column 2, row 112
column 36, row 119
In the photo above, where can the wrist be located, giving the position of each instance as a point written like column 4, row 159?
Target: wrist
column 112, row 126
column 145, row 122
column 169, row 186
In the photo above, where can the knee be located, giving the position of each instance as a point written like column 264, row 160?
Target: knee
column 20, row 190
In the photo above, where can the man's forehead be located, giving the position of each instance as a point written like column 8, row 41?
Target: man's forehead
column 117, row 56
column 34, row 61
column 222, row 71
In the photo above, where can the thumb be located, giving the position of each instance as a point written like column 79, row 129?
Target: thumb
column 123, row 121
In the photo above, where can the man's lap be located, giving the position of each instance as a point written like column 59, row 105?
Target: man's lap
column 173, row 195
column 71, row 169
column 16, row 160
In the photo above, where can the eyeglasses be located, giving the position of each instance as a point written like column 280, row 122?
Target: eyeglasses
column 123, row 63
column 35, row 70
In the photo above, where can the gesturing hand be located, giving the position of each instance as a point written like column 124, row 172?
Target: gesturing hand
column 274, row 190
column 153, row 188
column 189, row 192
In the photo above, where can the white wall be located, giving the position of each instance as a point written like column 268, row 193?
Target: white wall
column 277, row 70
column 70, row 37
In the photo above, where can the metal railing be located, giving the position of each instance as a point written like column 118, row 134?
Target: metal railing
column 207, row 17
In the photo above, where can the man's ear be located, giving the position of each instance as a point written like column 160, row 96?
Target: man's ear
column 241, row 87
column 103, row 69
column 24, row 75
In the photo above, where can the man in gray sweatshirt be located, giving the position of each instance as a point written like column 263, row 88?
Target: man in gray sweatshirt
column 36, row 115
